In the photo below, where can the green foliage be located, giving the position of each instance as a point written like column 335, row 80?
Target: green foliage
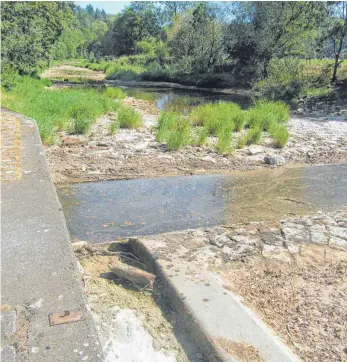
column 223, row 144
column 129, row 118
column 114, row 93
column 242, row 141
column 196, row 38
column 134, row 24
column 73, row 110
column 217, row 117
column 285, row 79
column 114, row 127
column 173, row 129
column 280, row 135
column 254, row 135
column 265, row 114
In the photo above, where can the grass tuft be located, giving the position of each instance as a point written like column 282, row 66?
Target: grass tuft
column 173, row 129
column 129, row 118
column 116, row 93
column 280, row 135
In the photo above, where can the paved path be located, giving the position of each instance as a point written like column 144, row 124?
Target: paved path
column 39, row 271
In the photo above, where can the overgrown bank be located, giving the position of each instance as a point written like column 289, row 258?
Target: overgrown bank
column 70, row 110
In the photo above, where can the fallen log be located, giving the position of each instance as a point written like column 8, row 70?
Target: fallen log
column 131, row 273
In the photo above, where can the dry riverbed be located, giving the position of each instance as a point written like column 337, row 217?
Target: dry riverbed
column 136, row 154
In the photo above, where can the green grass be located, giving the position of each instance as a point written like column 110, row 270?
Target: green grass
column 265, row 114
column 116, row 93
column 72, row 110
column 280, row 135
column 129, row 118
column 254, row 135
column 224, row 143
column 113, row 127
column 221, row 120
column 173, row 129
column 123, row 68
column 318, row 92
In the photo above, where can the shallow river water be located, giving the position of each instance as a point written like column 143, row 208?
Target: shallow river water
column 103, row 211
column 182, row 100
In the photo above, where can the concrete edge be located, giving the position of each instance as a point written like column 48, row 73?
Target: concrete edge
column 44, row 169
column 204, row 341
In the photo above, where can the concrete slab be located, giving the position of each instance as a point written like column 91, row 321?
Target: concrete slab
column 39, row 271
column 211, row 311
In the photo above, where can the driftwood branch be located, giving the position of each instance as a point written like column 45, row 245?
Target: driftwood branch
column 131, row 273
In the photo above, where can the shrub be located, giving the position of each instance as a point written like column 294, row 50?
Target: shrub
column 129, row 118
column 284, row 81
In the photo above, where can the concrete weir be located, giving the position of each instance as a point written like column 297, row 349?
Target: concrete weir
column 38, row 267
column 208, row 310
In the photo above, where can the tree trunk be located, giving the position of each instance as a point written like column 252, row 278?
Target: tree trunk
column 336, row 65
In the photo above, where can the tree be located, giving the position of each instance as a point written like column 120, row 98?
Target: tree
column 29, row 31
column 335, row 32
column 134, row 24
column 196, row 37
column 263, row 30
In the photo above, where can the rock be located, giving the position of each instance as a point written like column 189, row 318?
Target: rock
column 295, row 233
column 255, row 150
column 67, row 141
column 102, row 144
column 337, row 241
column 208, row 159
column 274, row 160
column 319, row 234
column 272, row 236
column 339, row 232
column 300, row 110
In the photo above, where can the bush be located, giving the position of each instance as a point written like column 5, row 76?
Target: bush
column 129, row 118
column 284, row 81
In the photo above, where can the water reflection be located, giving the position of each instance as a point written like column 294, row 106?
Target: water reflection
column 102, row 211
column 183, row 100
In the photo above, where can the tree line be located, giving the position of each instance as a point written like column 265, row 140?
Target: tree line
column 198, row 37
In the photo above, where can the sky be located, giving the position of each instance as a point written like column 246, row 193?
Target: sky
column 111, row 7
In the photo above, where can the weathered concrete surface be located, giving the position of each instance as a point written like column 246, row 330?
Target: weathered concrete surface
column 195, row 265
column 210, row 310
column 39, row 271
